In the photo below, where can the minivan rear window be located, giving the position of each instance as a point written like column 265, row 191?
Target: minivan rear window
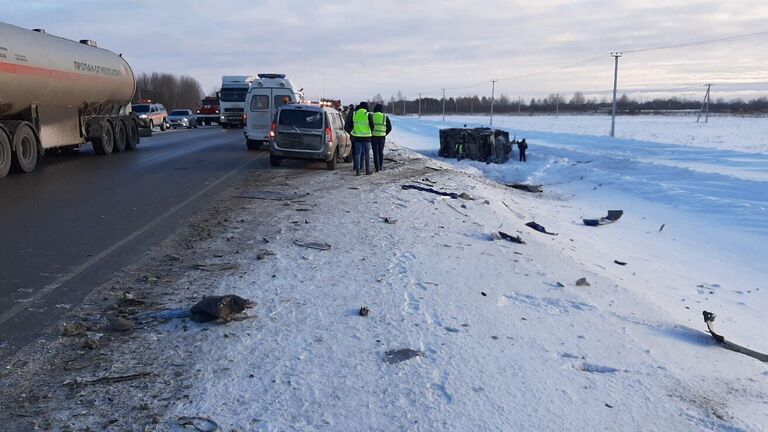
column 301, row 119
column 259, row 103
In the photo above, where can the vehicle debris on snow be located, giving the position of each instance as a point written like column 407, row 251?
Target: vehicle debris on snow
column 219, row 308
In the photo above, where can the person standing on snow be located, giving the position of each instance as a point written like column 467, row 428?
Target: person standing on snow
column 522, row 146
column 381, row 128
column 361, row 128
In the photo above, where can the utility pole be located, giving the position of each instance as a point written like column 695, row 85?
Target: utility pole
column 705, row 104
column 493, row 91
column 472, row 105
column 419, row 105
column 443, row 104
column 519, row 102
column 403, row 107
column 615, row 56
column 557, row 105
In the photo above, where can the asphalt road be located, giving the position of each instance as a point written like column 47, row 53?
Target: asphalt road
column 69, row 225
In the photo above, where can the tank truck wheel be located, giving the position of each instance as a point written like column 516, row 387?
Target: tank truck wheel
column 121, row 138
column 5, row 154
column 104, row 143
column 131, row 134
column 24, row 149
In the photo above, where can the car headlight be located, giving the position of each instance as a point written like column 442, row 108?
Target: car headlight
column 143, row 116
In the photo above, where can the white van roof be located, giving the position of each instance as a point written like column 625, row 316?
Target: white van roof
column 265, row 80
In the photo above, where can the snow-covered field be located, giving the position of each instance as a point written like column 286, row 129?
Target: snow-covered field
column 713, row 204
column 726, row 132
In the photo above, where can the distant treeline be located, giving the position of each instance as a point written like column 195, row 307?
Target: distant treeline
column 578, row 103
column 174, row 92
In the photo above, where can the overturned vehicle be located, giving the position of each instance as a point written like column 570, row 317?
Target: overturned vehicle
column 480, row 144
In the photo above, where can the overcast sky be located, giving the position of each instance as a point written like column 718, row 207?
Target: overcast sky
column 356, row 49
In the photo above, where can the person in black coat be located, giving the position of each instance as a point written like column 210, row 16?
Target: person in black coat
column 522, row 146
column 377, row 142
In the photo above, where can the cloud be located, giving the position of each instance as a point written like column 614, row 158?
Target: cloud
column 364, row 48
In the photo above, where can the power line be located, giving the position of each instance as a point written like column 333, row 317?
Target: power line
column 703, row 42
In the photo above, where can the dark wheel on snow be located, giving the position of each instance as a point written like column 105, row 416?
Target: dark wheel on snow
column 275, row 161
column 132, row 134
column 151, row 125
column 331, row 164
column 24, row 157
column 164, row 125
column 104, row 143
column 121, row 137
column 253, row 144
column 5, row 154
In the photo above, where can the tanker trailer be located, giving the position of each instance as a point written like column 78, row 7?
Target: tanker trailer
column 56, row 93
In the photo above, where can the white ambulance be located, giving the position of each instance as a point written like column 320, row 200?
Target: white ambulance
column 267, row 93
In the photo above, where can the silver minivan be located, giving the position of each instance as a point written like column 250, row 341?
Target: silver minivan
column 303, row 131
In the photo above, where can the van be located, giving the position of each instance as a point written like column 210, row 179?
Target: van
column 267, row 93
column 303, row 131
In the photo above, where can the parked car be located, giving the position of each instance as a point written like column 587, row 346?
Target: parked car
column 182, row 118
column 303, row 131
column 151, row 114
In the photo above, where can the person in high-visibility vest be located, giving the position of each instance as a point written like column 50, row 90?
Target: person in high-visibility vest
column 381, row 128
column 361, row 128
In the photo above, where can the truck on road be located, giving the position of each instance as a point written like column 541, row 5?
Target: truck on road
column 56, row 93
column 209, row 111
column 234, row 89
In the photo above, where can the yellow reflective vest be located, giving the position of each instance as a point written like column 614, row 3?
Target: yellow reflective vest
column 379, row 124
column 360, row 126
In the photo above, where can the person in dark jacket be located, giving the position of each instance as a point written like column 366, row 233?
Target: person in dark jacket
column 360, row 128
column 381, row 128
column 348, row 128
column 522, row 146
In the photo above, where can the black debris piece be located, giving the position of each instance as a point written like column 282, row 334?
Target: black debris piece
column 613, row 216
column 582, row 282
column 219, row 308
column 709, row 318
column 483, row 293
column 526, row 187
column 364, row 311
column 389, row 220
column 539, row 228
column 453, row 195
column 313, row 245
column 501, row 235
column 401, row 355
column 661, row 228
column 621, row 263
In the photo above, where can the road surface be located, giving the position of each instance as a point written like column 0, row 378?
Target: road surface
column 68, row 226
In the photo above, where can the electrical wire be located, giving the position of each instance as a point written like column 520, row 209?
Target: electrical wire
column 703, row 42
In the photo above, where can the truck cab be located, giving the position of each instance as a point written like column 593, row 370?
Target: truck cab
column 234, row 90
column 208, row 112
column 268, row 93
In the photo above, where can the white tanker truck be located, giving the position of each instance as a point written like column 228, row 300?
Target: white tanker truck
column 56, row 93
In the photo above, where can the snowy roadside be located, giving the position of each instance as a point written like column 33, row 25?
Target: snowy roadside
column 504, row 339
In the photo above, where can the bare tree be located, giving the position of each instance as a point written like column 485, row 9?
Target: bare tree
column 170, row 90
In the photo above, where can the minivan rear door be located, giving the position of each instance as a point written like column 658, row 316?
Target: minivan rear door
column 300, row 130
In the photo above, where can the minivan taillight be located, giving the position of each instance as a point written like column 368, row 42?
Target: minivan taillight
column 328, row 136
column 273, row 131
column 245, row 117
